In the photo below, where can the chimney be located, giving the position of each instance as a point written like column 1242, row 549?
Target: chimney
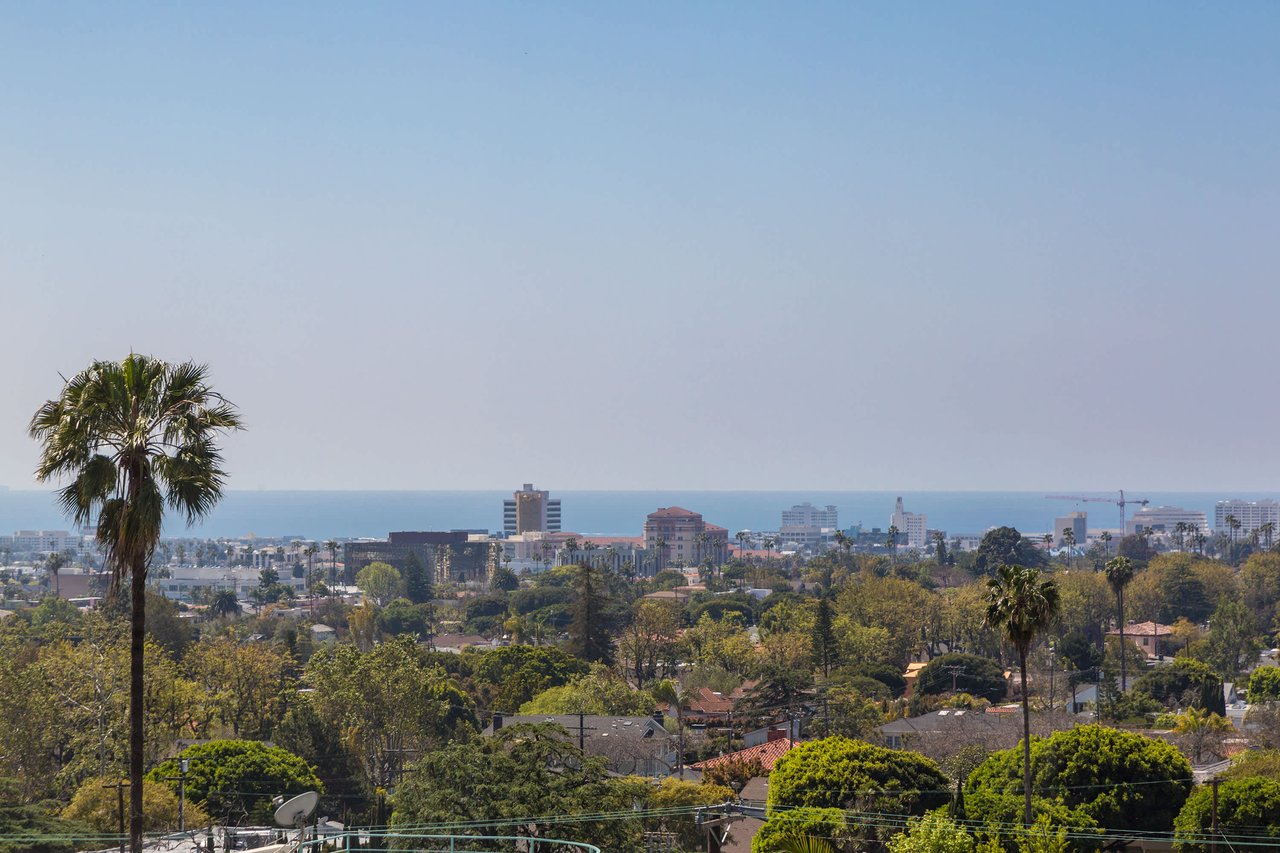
column 659, row 717
column 497, row 720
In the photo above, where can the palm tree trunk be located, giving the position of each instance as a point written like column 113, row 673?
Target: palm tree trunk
column 1026, row 742
column 1123, row 684
column 138, row 625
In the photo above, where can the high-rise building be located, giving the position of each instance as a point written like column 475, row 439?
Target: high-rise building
column 808, row 515
column 913, row 525
column 1077, row 523
column 681, row 538
column 453, row 556
column 1164, row 519
column 531, row 511
column 1251, row 515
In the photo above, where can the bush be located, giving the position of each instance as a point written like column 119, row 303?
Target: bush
column 1182, row 684
column 1116, row 779
column 98, row 806
column 839, row 772
column 977, row 675
column 1264, row 684
column 1246, row 807
column 234, row 780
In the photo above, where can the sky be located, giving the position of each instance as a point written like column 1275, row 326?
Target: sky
column 660, row 245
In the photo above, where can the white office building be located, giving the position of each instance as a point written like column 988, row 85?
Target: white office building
column 911, row 524
column 42, row 541
column 1165, row 519
column 1250, row 514
column 808, row 515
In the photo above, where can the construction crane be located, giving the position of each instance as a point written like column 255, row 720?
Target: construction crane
column 1120, row 503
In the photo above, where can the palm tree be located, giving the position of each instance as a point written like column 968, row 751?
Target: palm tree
column 1233, row 524
column 769, row 542
column 1068, row 540
column 892, row 542
column 1021, row 604
column 1048, row 545
column 134, row 438
column 331, row 546
column 742, row 536
column 668, row 690
column 1268, row 531
column 1119, row 573
column 224, row 604
column 310, row 550
column 1105, row 536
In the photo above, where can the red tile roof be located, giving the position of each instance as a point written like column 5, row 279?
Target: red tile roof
column 1144, row 629
column 766, row 753
column 709, row 526
column 672, row 512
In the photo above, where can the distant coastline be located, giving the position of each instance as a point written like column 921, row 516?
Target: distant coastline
column 326, row 514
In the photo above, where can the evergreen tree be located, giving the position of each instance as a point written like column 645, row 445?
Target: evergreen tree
column 825, row 648
column 417, row 583
column 589, row 636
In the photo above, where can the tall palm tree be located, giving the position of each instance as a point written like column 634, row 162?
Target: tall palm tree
column 311, row 550
column 1119, row 573
column 1069, row 540
column 1105, row 536
column 1268, row 530
column 892, row 542
column 742, row 536
column 224, row 604
column 669, row 690
column 331, row 546
column 134, row 437
column 1233, row 524
column 1021, row 604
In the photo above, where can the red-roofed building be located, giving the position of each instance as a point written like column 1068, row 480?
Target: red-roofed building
column 682, row 538
column 1145, row 635
column 766, row 753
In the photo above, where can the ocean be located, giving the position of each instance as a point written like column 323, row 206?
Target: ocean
column 341, row 514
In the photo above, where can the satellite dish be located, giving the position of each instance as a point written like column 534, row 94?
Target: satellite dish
column 294, row 812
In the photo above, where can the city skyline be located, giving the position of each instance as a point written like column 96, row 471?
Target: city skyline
column 928, row 247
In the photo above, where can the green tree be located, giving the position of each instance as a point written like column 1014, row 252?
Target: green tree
column 134, row 437
column 959, row 672
column 840, row 773
column 241, row 682
column 1264, row 684
column 388, row 702
column 590, row 637
column 417, row 584
column 224, row 604
column 933, row 833
column 1199, row 730
column 95, row 804
column 1021, row 605
column 1005, row 546
column 1248, row 816
column 506, row 779
column 1232, row 644
column 601, row 691
column 804, row 830
column 1086, row 776
column 825, row 649
column 1119, row 573
column 503, row 580
column 1184, row 683
column 380, row 582
column 234, row 780
column 32, row 828
column 303, row 732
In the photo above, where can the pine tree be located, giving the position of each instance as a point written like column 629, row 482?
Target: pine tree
column 417, row 584
column 824, row 638
column 589, row 636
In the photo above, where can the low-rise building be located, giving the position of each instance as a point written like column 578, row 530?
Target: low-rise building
column 630, row 746
column 1146, row 636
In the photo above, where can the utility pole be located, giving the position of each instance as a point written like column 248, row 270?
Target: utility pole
column 1213, row 844
column 119, row 787
column 181, row 779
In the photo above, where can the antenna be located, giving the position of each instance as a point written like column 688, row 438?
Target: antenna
column 294, row 813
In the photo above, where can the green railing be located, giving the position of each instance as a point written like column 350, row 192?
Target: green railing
column 412, row 842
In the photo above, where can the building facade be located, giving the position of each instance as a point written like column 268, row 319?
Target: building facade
column 808, row 515
column 449, row 557
column 1077, row 523
column 680, row 537
column 1165, row 519
column 1251, row 515
column 912, row 525
column 530, row 510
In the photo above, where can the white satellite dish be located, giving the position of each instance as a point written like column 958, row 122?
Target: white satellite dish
column 294, row 812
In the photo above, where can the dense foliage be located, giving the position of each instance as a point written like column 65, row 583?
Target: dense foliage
column 235, row 780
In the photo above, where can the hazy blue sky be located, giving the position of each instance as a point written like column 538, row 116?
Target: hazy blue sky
column 646, row 245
